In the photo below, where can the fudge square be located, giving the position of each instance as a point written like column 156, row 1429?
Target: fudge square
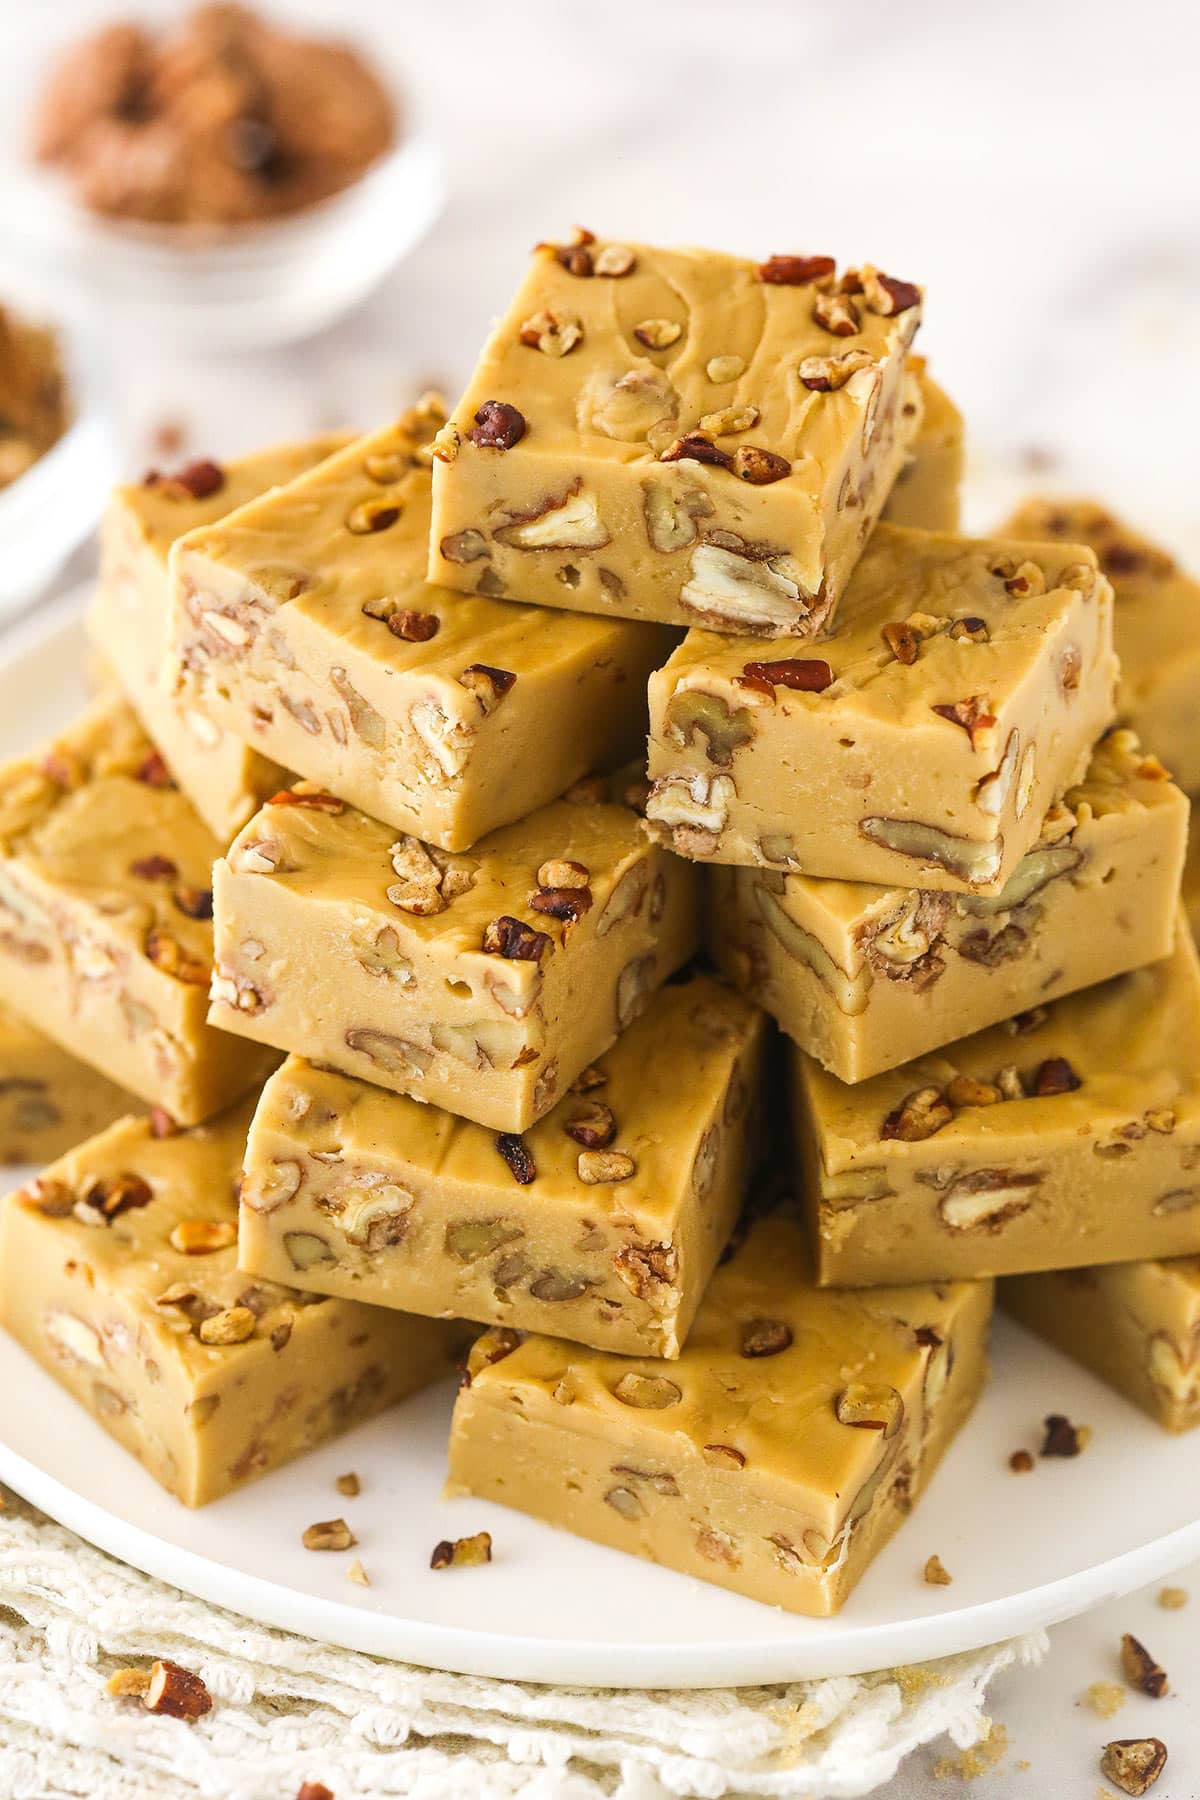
column 866, row 977
column 927, row 493
column 1066, row 1137
column 118, row 1273
column 482, row 982
column 106, row 930
column 920, row 745
column 303, row 623
column 225, row 780
column 49, row 1100
column 1136, row 1325
column 679, row 435
column 776, row 1457
column 1156, row 626
column 602, row 1223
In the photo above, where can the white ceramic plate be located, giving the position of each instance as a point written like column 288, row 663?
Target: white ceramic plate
column 1023, row 1550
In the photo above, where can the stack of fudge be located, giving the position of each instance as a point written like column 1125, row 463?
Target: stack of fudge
column 717, row 1087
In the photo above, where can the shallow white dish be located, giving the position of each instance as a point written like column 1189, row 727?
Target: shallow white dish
column 1024, row 1551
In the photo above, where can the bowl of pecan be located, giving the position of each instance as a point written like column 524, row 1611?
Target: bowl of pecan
column 232, row 183
column 57, row 452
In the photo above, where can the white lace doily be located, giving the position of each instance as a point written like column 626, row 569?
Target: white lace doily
column 287, row 1710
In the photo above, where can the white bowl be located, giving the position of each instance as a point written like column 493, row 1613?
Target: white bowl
column 47, row 512
column 236, row 288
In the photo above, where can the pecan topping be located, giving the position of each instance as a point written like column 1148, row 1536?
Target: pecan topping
column 965, row 1090
column 1134, row 1764
column 604, row 1167
column 759, row 467
column 120, row 1193
column 312, row 798
column 511, row 1146
column 195, row 481
column 1027, row 579
column 973, row 629
column 696, row 447
column 560, row 873
column 153, row 868
column 886, row 295
column 154, row 771
column 1062, row 1438
column 498, row 426
column 515, row 939
column 836, row 313
column 795, row 271
column 566, row 903
column 870, row 1408
column 765, row 1337
column 825, row 374
column 806, row 674
column 919, row 1115
column 1140, row 1669
column 974, row 715
column 593, row 1125
column 463, row 1552
column 487, row 684
column 658, row 334
column 902, row 641
column 372, row 515
column 553, row 333
column 414, row 626
column 1054, row 1076
column 176, row 1692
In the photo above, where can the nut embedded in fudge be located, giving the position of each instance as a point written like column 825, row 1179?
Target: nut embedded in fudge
column 223, row 777
column 919, row 745
column 303, row 623
column 602, row 1223
column 483, row 982
column 679, row 435
column 1068, row 1136
column 775, row 1457
column 864, row 977
column 118, row 1273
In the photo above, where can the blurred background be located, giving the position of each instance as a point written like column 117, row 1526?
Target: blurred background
column 1029, row 163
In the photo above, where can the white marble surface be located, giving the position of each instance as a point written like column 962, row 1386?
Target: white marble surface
column 1034, row 164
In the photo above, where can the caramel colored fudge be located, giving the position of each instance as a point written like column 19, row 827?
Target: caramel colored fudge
column 679, row 435
column 482, row 982
column 927, row 490
column 775, row 1457
column 864, row 978
column 602, row 1223
column 118, row 1273
column 1191, row 876
column 1068, row 1136
column 303, row 624
column 48, row 1099
column 105, row 915
column 1136, row 1325
column 224, row 779
column 1156, row 626
column 920, row 745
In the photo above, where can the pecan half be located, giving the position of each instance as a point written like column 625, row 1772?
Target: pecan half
column 805, row 674
column 566, row 903
column 887, row 295
column 118, row 1194
column 498, row 426
column 795, row 271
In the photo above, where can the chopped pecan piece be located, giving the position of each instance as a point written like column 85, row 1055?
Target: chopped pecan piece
column 836, row 313
column 966, row 1090
column 765, row 1337
column 176, row 1692
column 511, row 1146
column 886, row 295
column 414, row 626
column 805, row 674
column 870, row 1408
column 498, row 426
column 604, row 1167
column 488, row 684
column 652, row 1393
column 200, row 1237
column 1054, row 1076
column 694, row 446
column 902, row 641
column 559, row 873
column 376, row 514
column 329, row 1534
column 514, row 939
column 120, row 1193
column 1062, row 1438
column 1020, row 1462
column 463, row 1552
column 314, row 1790
column 1140, row 1669
column 936, row 1574
column 153, row 868
column 153, row 771
column 1134, row 1764
column 195, row 481
column 759, row 467
column 553, row 333
column 826, row 374
column 973, row 629
column 349, row 1485
column 169, row 956
column 974, row 715
column 796, row 271
column 235, row 1325
column 566, row 903
column 593, row 1125
column 919, row 1115
column 194, row 902
column 658, row 334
